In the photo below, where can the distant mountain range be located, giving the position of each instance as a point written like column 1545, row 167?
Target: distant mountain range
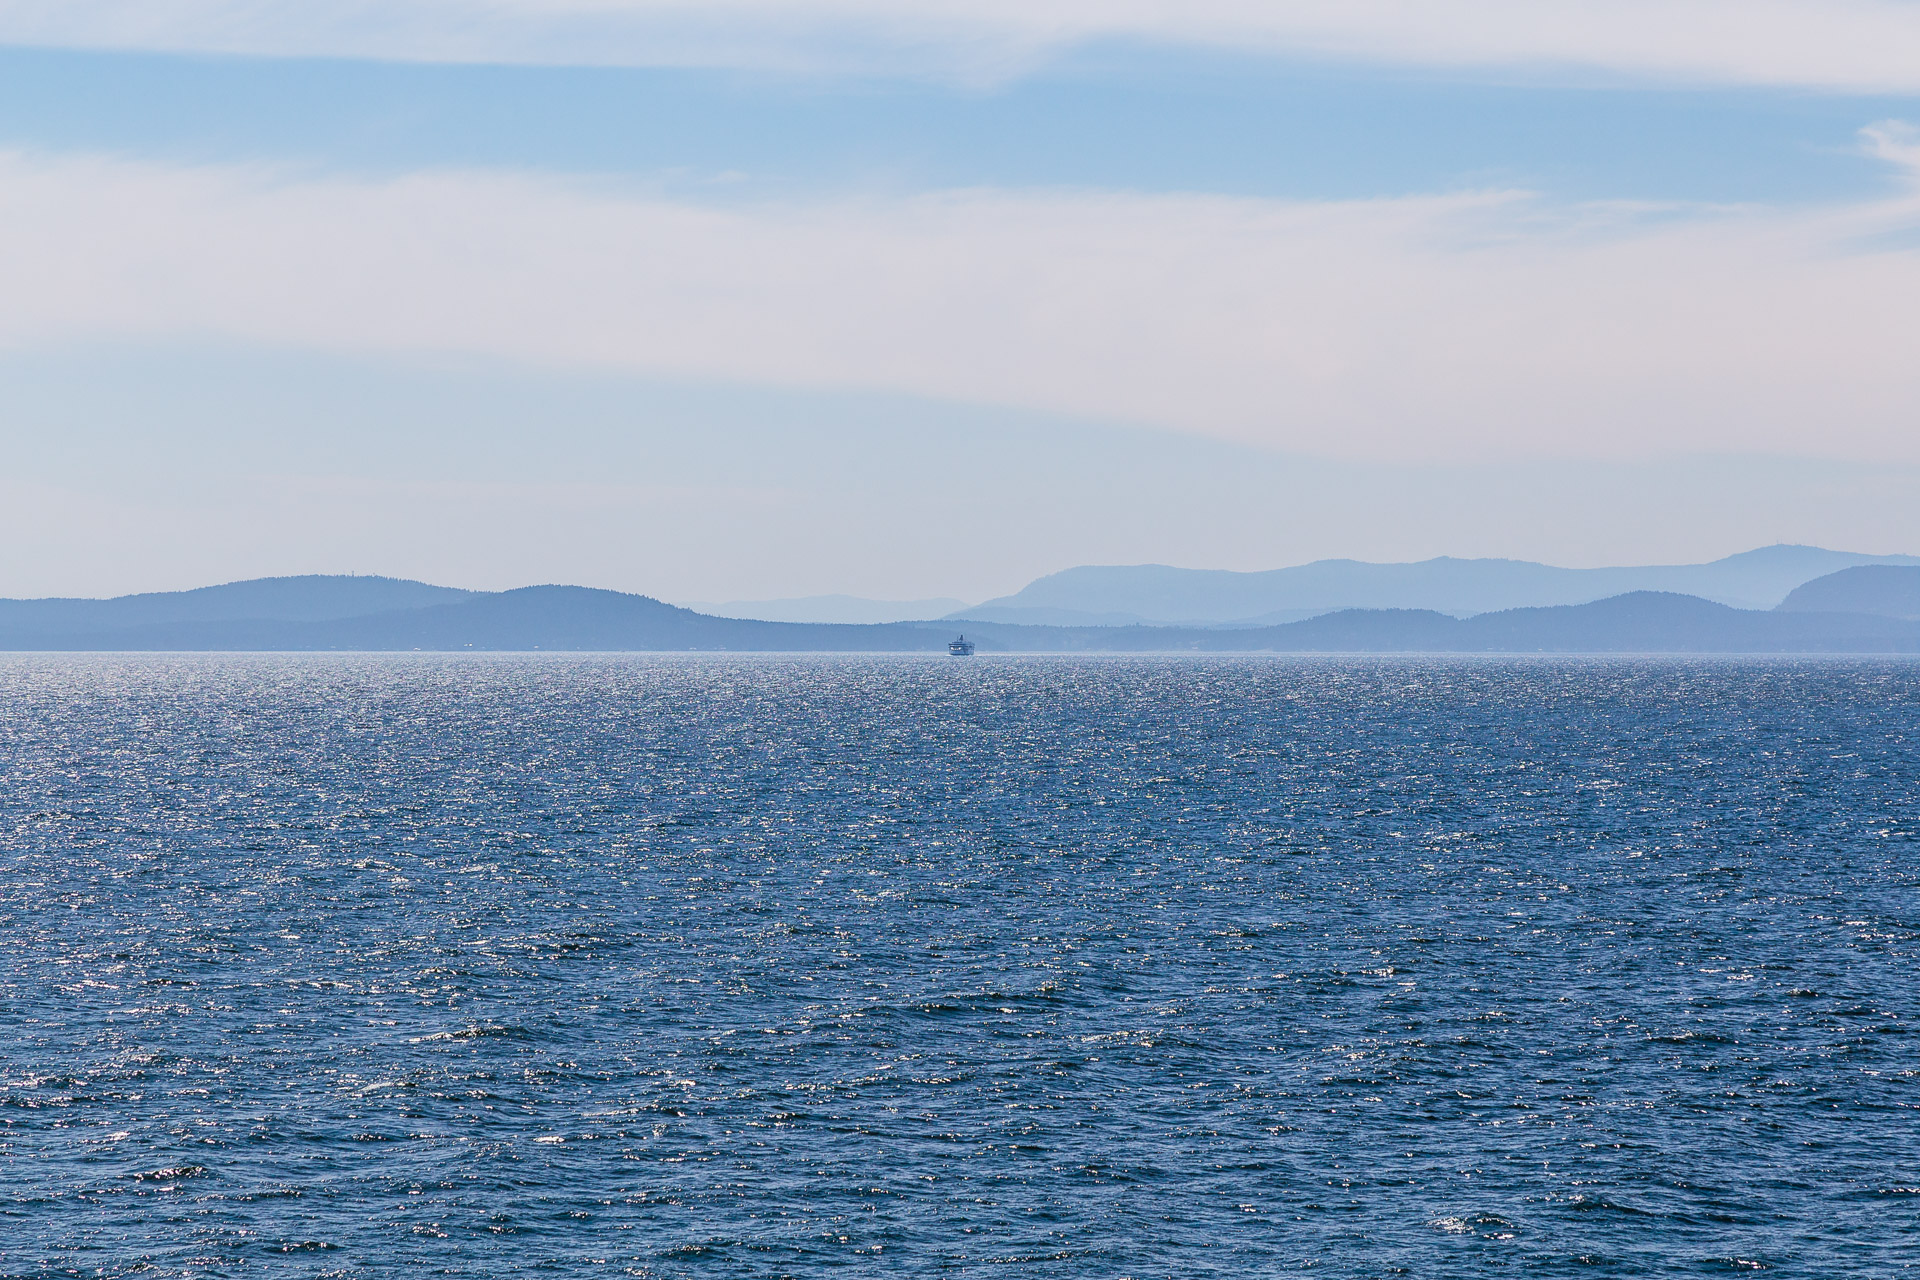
column 1118, row 595
column 305, row 599
column 1863, row 609
column 385, row 614
column 1874, row 588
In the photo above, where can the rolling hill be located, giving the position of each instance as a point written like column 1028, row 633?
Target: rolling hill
column 1118, row 595
column 241, row 616
column 1891, row 591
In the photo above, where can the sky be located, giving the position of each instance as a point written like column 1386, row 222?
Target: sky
column 768, row 298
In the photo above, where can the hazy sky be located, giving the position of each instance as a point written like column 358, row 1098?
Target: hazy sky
column 924, row 297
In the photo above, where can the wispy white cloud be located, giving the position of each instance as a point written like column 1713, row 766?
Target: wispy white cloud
column 1841, row 44
column 1471, row 325
column 1897, row 143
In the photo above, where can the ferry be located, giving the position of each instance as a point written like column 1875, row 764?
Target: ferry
column 961, row 648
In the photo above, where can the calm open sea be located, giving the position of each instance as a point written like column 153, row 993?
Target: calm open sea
column 991, row 967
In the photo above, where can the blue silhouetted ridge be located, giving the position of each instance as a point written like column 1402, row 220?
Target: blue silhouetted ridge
column 1891, row 591
column 579, row 619
column 307, row 598
column 1163, row 595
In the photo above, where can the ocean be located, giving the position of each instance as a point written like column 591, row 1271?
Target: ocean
column 1103, row 967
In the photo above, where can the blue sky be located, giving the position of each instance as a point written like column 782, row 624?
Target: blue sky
column 765, row 300
column 1123, row 118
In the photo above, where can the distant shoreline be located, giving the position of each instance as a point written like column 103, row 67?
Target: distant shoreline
column 1860, row 610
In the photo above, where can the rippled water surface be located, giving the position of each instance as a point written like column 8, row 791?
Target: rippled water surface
column 995, row 967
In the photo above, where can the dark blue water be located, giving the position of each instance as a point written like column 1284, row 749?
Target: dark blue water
column 585, row 967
